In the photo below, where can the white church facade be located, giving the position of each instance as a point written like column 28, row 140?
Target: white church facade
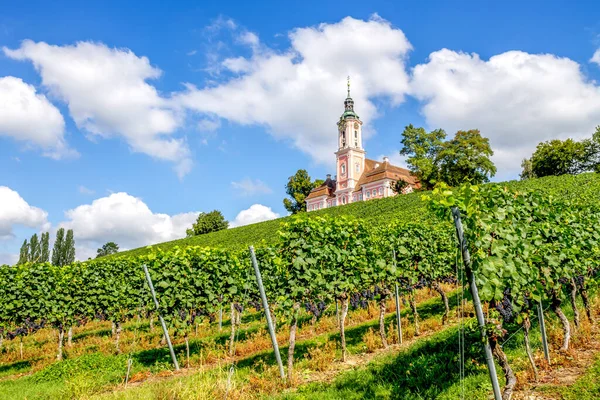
column 358, row 178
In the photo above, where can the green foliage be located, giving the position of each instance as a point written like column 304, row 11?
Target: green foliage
column 465, row 158
column 422, row 149
column 527, row 172
column 24, row 253
column 559, row 157
column 208, row 222
column 107, row 249
column 45, row 247
column 375, row 213
column 57, row 251
column 35, row 251
column 298, row 188
column 69, row 248
column 399, row 186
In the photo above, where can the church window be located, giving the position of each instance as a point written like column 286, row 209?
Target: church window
column 343, row 169
column 360, row 197
column 380, row 190
column 357, row 167
column 368, row 194
column 374, row 192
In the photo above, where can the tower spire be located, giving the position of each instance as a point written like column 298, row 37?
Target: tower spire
column 348, row 85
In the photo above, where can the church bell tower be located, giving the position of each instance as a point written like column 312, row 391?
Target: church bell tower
column 350, row 155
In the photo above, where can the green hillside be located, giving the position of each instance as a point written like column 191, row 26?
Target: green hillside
column 375, row 212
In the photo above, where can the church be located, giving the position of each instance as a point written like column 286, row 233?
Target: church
column 358, row 178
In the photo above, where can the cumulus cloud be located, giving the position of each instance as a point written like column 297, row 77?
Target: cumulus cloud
column 123, row 219
column 515, row 98
column 249, row 187
column 298, row 93
column 29, row 117
column 256, row 213
column 14, row 210
column 108, row 94
column 596, row 57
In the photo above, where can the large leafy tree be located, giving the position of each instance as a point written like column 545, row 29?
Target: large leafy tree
column 560, row 157
column 422, row 149
column 107, row 249
column 466, row 158
column 298, row 187
column 208, row 222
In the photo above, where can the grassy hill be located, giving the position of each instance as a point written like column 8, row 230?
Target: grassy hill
column 375, row 212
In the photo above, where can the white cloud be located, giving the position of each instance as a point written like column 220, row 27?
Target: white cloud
column 209, row 125
column 256, row 213
column 123, row 219
column 249, row 187
column 85, row 190
column 516, row 99
column 108, row 95
column 29, row 117
column 596, row 57
column 14, row 210
column 298, row 94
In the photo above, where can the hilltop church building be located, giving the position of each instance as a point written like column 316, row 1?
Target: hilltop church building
column 358, row 178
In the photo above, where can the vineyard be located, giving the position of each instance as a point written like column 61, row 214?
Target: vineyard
column 372, row 213
column 367, row 276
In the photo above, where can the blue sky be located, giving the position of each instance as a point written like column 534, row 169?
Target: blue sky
column 121, row 119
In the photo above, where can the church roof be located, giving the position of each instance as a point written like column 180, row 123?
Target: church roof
column 375, row 171
column 327, row 188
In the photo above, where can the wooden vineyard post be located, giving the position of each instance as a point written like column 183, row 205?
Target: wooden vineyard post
column 476, row 302
column 265, row 304
column 398, row 320
column 543, row 331
column 162, row 321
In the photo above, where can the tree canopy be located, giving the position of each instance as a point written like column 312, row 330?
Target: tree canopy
column 208, row 222
column 466, row 158
column 422, row 149
column 107, row 249
column 432, row 159
column 298, row 187
column 560, row 157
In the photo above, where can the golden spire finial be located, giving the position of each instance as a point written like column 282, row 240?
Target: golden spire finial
column 348, row 85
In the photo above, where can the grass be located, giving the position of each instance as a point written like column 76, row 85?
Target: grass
column 374, row 213
column 423, row 367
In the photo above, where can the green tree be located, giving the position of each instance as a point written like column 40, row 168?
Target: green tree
column 527, row 172
column 107, row 249
column 24, row 253
column 208, row 222
column 35, row 251
column 69, row 248
column 399, row 186
column 422, row 149
column 558, row 157
column 466, row 158
column 298, row 188
column 57, row 250
column 45, row 247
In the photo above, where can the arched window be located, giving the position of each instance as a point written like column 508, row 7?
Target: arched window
column 343, row 169
column 357, row 166
column 380, row 190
